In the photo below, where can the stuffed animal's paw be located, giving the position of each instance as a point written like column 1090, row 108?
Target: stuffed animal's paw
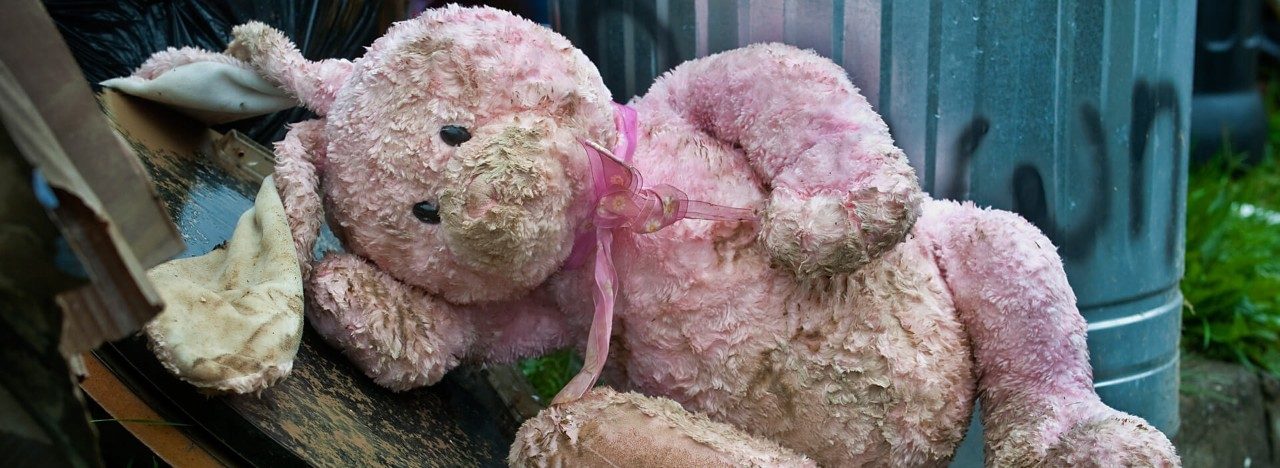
column 399, row 336
column 830, row 234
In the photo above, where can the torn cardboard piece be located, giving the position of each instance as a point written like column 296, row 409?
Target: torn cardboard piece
column 42, row 68
column 119, row 299
column 233, row 317
column 102, row 202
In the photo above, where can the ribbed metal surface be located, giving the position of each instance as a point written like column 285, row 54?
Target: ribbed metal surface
column 1071, row 113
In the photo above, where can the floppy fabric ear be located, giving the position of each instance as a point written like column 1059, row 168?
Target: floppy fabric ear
column 261, row 72
column 212, row 88
column 276, row 58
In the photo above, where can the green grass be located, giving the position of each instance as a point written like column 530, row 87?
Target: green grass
column 1232, row 280
column 548, row 374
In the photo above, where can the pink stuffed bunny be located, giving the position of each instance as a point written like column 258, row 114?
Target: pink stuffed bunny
column 811, row 295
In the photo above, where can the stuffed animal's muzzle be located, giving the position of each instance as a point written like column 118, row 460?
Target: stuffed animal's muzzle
column 503, row 205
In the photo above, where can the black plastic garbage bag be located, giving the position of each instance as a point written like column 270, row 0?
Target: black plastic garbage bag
column 109, row 38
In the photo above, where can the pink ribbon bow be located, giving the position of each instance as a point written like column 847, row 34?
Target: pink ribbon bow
column 621, row 203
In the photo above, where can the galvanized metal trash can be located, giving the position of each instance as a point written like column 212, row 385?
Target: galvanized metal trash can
column 1072, row 113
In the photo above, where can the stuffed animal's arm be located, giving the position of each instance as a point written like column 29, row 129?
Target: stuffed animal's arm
column 404, row 338
column 841, row 193
column 397, row 334
column 527, row 327
column 298, row 158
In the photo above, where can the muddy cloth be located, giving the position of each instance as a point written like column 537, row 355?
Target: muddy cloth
column 233, row 317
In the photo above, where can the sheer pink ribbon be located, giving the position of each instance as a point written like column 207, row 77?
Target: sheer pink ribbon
column 621, row 202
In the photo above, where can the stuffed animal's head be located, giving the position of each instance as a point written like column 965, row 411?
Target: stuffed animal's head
column 454, row 158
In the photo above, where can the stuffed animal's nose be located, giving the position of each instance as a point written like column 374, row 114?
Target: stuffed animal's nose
column 506, row 166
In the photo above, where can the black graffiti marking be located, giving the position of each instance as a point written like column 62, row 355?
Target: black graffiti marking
column 966, row 146
column 1029, row 195
column 1148, row 102
column 1028, row 188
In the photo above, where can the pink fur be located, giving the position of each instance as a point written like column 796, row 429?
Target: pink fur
column 168, row 59
column 405, row 339
column 1029, row 345
column 299, row 160
column 846, row 326
column 844, row 211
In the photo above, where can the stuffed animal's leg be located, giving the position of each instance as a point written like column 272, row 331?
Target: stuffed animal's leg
column 397, row 334
column 1011, row 293
column 607, row 428
column 841, row 193
column 297, row 156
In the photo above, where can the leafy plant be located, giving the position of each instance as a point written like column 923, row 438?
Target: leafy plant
column 1232, row 280
column 549, row 373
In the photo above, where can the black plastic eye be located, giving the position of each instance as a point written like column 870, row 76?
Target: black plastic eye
column 427, row 212
column 454, row 135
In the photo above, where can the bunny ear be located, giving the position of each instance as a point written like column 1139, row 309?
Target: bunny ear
column 212, row 88
column 314, row 84
column 261, row 72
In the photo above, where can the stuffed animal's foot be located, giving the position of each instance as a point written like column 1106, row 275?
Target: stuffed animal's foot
column 1117, row 439
column 607, row 428
column 397, row 334
column 1028, row 340
column 1069, row 432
